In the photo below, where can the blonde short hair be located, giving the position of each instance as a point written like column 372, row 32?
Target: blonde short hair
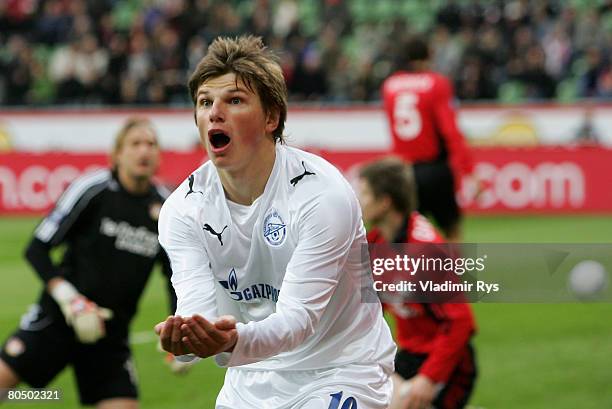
column 130, row 123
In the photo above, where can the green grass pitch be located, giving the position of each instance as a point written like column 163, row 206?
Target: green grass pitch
column 531, row 356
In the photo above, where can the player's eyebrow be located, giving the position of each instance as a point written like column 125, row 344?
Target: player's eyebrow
column 234, row 91
column 229, row 91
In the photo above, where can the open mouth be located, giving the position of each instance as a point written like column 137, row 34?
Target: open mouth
column 219, row 140
column 143, row 163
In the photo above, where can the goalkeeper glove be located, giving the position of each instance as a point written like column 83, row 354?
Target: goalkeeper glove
column 83, row 315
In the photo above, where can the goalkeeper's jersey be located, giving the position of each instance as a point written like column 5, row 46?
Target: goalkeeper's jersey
column 111, row 247
column 292, row 267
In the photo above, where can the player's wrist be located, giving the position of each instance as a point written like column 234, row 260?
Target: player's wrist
column 424, row 378
column 63, row 292
column 230, row 348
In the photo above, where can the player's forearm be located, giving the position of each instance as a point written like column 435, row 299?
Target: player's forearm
column 39, row 258
column 447, row 351
column 195, row 294
column 459, row 155
column 187, row 265
column 172, row 300
column 258, row 341
column 289, row 327
column 53, row 283
column 439, row 367
column 167, row 272
column 460, row 160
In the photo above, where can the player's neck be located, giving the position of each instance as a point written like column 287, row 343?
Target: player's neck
column 419, row 66
column 136, row 186
column 391, row 224
column 246, row 185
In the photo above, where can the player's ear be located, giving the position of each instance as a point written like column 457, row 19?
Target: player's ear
column 385, row 202
column 272, row 119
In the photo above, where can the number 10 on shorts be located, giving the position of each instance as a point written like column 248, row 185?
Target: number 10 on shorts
column 349, row 403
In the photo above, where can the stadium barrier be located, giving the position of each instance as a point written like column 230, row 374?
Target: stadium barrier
column 31, row 182
column 360, row 128
column 526, row 180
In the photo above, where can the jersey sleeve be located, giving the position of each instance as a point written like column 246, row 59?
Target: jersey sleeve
column 54, row 229
column 455, row 329
column 460, row 157
column 166, row 270
column 192, row 277
column 326, row 232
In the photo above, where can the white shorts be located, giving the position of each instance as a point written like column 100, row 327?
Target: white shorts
column 347, row 387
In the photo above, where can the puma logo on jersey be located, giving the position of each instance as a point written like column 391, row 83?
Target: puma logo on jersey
column 296, row 179
column 213, row 232
column 191, row 182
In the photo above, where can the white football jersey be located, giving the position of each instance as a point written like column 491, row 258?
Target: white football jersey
column 292, row 267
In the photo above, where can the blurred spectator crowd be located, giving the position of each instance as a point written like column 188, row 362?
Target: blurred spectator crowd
column 142, row 51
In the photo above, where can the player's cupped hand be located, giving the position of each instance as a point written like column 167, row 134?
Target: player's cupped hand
column 197, row 335
column 170, row 335
column 205, row 338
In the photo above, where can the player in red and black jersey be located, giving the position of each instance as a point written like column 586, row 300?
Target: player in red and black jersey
column 419, row 107
column 435, row 365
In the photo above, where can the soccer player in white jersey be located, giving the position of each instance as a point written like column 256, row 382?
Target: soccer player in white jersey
column 266, row 244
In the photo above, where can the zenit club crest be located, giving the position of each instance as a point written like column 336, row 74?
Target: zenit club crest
column 274, row 228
